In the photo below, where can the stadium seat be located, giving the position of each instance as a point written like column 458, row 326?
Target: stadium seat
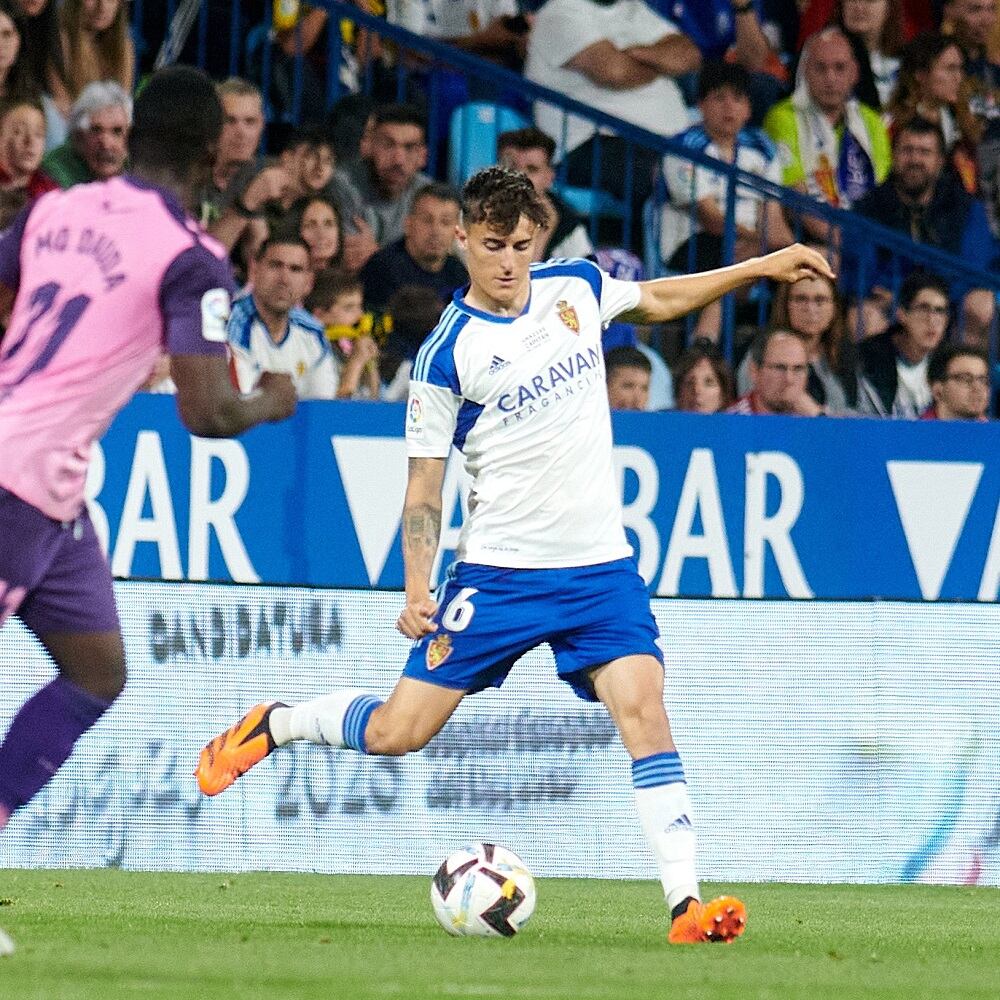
column 590, row 201
column 472, row 137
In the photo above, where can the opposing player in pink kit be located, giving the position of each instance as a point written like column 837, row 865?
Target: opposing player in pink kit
column 106, row 277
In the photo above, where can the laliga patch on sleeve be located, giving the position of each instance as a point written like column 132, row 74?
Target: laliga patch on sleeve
column 415, row 417
column 215, row 315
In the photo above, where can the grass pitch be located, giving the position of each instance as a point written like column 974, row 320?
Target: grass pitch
column 105, row 935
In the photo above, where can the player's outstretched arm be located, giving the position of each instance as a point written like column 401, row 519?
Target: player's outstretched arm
column 667, row 298
column 421, row 536
column 209, row 406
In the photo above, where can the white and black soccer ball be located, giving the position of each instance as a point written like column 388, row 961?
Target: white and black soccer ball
column 483, row 891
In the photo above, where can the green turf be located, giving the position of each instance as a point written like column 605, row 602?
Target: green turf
column 104, row 935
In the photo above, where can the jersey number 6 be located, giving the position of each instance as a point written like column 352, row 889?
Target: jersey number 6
column 460, row 610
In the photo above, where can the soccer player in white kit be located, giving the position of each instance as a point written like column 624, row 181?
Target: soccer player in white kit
column 514, row 377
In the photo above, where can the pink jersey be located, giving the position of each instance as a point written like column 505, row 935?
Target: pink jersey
column 108, row 276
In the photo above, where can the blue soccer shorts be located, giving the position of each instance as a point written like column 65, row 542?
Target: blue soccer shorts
column 489, row 617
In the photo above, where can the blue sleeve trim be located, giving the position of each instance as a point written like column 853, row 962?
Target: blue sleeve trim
column 468, row 414
column 435, row 362
column 585, row 269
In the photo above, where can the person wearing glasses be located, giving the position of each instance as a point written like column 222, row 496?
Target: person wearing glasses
column 779, row 371
column 893, row 372
column 960, row 383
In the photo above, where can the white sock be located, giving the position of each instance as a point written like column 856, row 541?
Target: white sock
column 666, row 817
column 320, row 720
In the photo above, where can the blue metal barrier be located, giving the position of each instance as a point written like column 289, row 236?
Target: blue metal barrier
column 421, row 63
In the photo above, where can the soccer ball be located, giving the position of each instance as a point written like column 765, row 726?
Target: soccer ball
column 483, row 891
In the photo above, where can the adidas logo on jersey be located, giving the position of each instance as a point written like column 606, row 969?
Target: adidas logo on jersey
column 498, row 364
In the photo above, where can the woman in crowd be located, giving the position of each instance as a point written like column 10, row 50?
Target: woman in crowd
column 15, row 80
column 702, row 379
column 813, row 309
column 319, row 224
column 933, row 85
column 96, row 45
column 875, row 28
column 41, row 51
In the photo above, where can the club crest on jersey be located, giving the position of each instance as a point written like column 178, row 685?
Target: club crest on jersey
column 438, row 650
column 568, row 315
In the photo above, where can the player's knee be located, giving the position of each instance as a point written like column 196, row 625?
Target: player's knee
column 385, row 739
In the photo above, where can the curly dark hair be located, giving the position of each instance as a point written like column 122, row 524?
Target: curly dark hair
column 499, row 197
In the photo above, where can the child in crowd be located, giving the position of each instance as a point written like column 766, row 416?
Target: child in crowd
column 336, row 301
column 22, row 146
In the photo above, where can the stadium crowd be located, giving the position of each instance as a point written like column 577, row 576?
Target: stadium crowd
column 346, row 249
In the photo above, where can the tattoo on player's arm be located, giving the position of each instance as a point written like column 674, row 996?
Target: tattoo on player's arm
column 421, row 529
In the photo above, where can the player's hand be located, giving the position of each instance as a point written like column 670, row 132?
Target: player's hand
column 360, row 246
column 795, row 263
column 279, row 388
column 271, row 184
column 416, row 621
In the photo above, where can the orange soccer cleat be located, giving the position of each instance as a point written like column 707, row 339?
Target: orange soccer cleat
column 722, row 920
column 235, row 751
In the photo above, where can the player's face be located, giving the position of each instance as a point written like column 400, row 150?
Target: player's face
column 724, row 112
column 700, row 391
column 628, row 389
column 99, row 15
column 321, row 231
column 498, row 264
column 781, row 377
column 104, row 143
column 964, row 393
column 10, row 43
column 282, row 277
column 430, row 231
column 22, row 140
column 242, row 127
column 398, row 152
column 533, row 163
column 925, row 321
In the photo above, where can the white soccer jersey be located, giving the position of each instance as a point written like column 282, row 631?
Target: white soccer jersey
column 303, row 352
column 524, row 398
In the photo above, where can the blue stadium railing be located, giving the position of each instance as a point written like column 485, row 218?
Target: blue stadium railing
column 888, row 254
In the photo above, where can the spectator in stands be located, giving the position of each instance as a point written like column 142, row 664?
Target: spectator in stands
column 239, row 191
column 268, row 331
column 99, row 124
column 96, row 44
column 724, row 102
column 960, row 384
column 530, row 150
column 971, row 23
column 832, row 146
column 424, row 255
column 779, row 369
column 41, row 49
column 627, row 372
column 386, row 180
column 621, row 58
column 929, row 203
column 413, row 311
column 893, row 368
column 812, row 308
column 490, row 29
column 736, row 31
column 703, row 379
column 15, row 76
column 933, row 86
column 875, row 31
column 317, row 220
column 309, row 161
column 22, row 146
column 336, row 300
